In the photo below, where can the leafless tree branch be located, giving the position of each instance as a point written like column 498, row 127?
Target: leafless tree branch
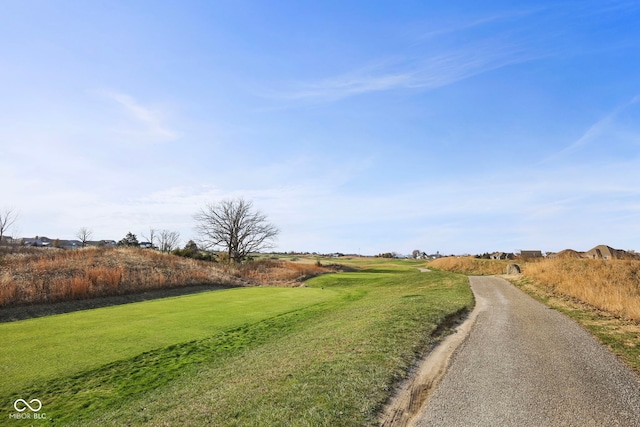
column 168, row 240
column 151, row 238
column 236, row 227
column 84, row 235
column 7, row 218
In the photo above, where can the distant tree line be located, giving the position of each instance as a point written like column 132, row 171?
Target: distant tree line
column 387, row 255
column 229, row 231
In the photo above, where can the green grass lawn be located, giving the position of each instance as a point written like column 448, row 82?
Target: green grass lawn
column 324, row 355
column 39, row 349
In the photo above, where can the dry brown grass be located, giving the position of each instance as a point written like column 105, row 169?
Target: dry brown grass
column 470, row 265
column 276, row 272
column 609, row 285
column 50, row 275
column 35, row 275
column 612, row 286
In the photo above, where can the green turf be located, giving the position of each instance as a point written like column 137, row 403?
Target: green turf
column 40, row 349
column 330, row 360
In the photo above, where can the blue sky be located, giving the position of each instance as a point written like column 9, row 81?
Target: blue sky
column 355, row 126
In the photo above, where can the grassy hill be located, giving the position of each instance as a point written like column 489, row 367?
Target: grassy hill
column 36, row 275
column 329, row 353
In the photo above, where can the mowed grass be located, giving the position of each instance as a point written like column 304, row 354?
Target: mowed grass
column 38, row 350
column 331, row 360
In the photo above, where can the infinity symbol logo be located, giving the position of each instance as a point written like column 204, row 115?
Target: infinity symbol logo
column 21, row 405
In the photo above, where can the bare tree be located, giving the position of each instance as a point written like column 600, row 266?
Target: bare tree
column 7, row 218
column 16, row 231
column 235, row 226
column 84, row 235
column 151, row 238
column 416, row 253
column 168, row 240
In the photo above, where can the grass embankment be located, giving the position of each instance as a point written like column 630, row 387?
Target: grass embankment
column 36, row 275
column 602, row 295
column 612, row 286
column 328, row 354
column 470, row 265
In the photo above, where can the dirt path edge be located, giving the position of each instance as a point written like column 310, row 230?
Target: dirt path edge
column 413, row 393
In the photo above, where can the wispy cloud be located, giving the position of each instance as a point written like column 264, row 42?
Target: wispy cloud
column 460, row 50
column 149, row 122
column 465, row 25
column 595, row 130
column 434, row 71
column 615, row 6
column 433, row 59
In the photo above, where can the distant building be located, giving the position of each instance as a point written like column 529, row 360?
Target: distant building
column 68, row 244
column 102, row 243
column 568, row 253
column 45, row 242
column 606, row 252
column 37, row 241
column 502, row 255
column 599, row 252
column 531, row 254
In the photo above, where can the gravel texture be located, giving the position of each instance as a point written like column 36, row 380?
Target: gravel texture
column 524, row 364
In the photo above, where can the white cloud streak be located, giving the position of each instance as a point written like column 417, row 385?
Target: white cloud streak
column 458, row 27
column 437, row 70
column 595, row 130
column 149, row 122
column 438, row 58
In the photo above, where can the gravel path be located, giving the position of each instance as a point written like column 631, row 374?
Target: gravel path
column 524, row 364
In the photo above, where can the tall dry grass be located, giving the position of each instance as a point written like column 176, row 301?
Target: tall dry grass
column 36, row 275
column 612, row 286
column 470, row 265
column 52, row 275
column 609, row 285
column 276, row 272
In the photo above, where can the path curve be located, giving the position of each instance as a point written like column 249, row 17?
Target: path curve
column 524, row 364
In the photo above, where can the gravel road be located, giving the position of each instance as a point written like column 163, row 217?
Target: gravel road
column 524, row 364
